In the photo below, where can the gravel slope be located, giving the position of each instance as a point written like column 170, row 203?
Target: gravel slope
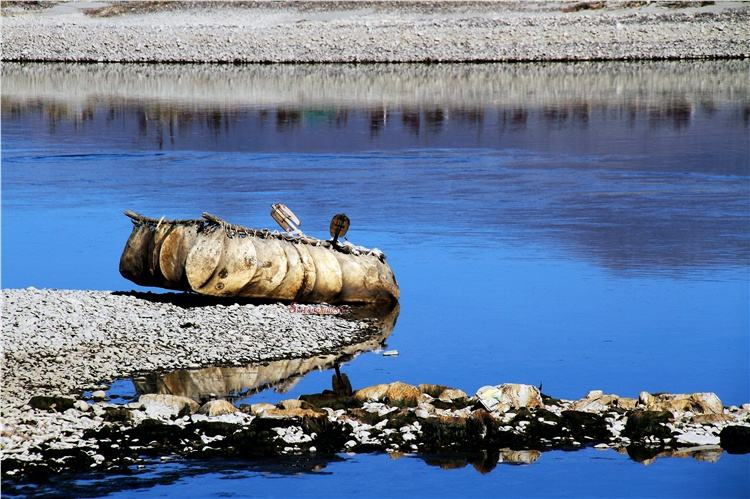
column 376, row 32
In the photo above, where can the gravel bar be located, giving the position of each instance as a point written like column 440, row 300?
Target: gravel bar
column 364, row 31
column 61, row 342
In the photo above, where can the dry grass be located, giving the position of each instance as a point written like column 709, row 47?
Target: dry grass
column 119, row 8
column 584, row 6
column 136, row 7
column 12, row 7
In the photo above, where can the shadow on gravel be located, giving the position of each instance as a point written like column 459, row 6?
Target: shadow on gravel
column 190, row 300
column 193, row 300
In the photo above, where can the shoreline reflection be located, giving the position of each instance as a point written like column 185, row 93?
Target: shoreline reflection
column 236, row 383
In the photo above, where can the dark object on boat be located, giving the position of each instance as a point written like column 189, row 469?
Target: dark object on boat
column 213, row 257
column 339, row 227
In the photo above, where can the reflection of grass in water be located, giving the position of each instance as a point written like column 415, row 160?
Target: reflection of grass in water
column 326, row 88
column 316, row 117
column 11, row 7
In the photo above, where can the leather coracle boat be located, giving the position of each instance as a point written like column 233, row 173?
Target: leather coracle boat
column 213, row 257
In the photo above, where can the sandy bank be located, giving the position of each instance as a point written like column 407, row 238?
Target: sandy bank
column 374, row 32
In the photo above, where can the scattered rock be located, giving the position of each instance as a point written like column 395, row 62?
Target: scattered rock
column 167, row 406
column 82, row 406
column 695, row 438
column 432, row 390
column 390, row 424
column 402, row 395
column 51, row 403
column 598, row 401
column 585, row 425
column 642, row 424
column 293, row 412
column 697, row 403
column 397, row 393
column 118, row 414
column 709, row 419
column 450, row 394
column 374, row 393
column 98, row 395
column 217, row 408
column 293, row 404
column 501, row 398
column 256, row 409
column 735, row 439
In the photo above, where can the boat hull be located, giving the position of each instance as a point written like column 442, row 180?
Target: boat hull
column 218, row 259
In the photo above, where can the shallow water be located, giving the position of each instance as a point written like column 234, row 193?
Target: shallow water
column 576, row 226
column 583, row 473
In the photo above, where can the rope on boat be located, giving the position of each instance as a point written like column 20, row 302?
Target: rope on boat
column 231, row 231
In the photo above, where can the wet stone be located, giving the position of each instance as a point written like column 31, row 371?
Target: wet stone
column 330, row 399
column 642, row 424
column 118, row 414
column 217, row 408
column 51, row 403
column 583, row 425
column 735, row 439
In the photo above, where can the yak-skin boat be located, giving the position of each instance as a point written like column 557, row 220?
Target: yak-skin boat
column 213, row 257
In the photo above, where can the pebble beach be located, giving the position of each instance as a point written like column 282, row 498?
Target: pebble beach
column 66, row 341
column 361, row 31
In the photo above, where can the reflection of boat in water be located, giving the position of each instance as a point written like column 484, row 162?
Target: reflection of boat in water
column 238, row 382
column 213, row 257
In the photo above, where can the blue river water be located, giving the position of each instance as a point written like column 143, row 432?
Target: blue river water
column 587, row 243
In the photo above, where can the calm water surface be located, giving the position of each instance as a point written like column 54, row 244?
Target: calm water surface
column 577, row 226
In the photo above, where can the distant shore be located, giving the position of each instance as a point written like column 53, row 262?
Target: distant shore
column 365, row 31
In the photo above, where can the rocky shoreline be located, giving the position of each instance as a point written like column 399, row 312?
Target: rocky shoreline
column 365, row 31
column 507, row 423
column 57, row 344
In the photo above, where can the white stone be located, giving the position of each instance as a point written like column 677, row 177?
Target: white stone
column 166, row 406
column 421, row 413
column 82, row 406
column 695, row 438
column 217, row 408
